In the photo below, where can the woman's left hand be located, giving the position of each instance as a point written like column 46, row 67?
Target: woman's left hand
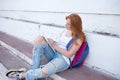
column 51, row 42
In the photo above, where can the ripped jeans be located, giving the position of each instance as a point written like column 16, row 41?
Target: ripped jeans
column 56, row 62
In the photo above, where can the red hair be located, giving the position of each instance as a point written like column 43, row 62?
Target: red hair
column 76, row 26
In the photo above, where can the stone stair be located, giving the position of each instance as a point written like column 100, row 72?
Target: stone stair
column 16, row 53
column 3, row 69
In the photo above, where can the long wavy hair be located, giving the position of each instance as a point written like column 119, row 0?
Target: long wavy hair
column 76, row 26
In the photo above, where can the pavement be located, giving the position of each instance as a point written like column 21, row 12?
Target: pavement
column 16, row 53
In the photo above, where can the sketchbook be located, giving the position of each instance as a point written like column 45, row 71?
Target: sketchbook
column 46, row 39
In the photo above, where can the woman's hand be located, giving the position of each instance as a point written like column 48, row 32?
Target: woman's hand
column 52, row 42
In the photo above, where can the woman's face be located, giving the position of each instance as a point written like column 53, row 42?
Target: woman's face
column 68, row 24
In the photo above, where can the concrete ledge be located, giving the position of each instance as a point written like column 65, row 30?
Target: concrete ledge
column 83, row 73
column 2, row 73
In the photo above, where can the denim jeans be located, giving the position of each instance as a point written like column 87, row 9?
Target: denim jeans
column 56, row 62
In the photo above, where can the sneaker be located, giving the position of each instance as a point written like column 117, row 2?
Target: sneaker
column 14, row 73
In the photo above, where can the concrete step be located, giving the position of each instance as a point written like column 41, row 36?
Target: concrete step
column 9, row 60
column 3, row 69
column 24, row 50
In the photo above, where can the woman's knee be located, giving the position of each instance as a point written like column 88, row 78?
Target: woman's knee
column 31, row 75
column 34, row 74
column 38, row 40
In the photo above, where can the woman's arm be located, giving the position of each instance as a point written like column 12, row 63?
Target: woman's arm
column 69, row 53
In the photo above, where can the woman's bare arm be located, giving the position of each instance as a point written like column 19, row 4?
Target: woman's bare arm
column 69, row 53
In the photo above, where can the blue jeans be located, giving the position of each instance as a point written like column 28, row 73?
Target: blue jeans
column 56, row 62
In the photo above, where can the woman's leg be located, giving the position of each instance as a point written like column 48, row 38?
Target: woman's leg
column 41, row 48
column 55, row 65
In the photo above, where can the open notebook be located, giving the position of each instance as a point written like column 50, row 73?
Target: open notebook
column 49, row 44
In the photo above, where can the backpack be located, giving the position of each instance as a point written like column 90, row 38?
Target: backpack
column 80, row 55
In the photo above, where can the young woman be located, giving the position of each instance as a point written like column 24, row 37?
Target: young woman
column 59, row 60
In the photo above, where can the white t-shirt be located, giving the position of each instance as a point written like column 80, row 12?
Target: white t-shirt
column 62, row 41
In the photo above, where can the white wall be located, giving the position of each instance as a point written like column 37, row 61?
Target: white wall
column 99, row 16
column 104, row 52
column 93, row 6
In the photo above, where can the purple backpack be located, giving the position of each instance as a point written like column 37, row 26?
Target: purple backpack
column 81, row 54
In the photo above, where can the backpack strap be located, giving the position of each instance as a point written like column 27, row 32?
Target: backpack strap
column 68, row 46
